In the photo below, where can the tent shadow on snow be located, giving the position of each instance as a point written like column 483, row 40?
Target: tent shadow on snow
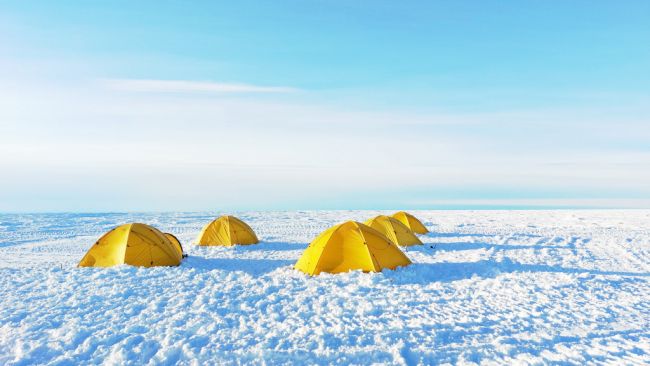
column 248, row 265
column 423, row 273
column 272, row 245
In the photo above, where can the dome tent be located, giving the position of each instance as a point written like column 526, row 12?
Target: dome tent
column 411, row 222
column 226, row 231
column 394, row 230
column 134, row 244
column 350, row 246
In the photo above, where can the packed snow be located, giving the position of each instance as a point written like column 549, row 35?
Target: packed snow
column 494, row 287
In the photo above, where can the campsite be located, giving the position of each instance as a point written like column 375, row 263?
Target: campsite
column 309, row 182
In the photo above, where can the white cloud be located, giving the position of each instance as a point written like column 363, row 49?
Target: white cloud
column 187, row 86
column 166, row 150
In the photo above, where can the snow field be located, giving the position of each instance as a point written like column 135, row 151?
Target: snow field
column 499, row 287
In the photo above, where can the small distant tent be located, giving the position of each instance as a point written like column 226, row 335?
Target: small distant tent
column 176, row 242
column 227, row 231
column 350, row 246
column 134, row 244
column 394, row 230
column 411, row 222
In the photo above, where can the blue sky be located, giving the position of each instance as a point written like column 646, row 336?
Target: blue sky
column 304, row 104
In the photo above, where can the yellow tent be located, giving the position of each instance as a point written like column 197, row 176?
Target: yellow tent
column 394, row 230
column 350, row 246
column 176, row 242
column 227, row 231
column 134, row 244
column 411, row 222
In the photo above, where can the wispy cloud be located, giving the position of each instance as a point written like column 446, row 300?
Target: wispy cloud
column 306, row 151
column 188, row 86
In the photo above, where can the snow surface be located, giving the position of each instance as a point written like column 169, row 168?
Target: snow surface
column 504, row 287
